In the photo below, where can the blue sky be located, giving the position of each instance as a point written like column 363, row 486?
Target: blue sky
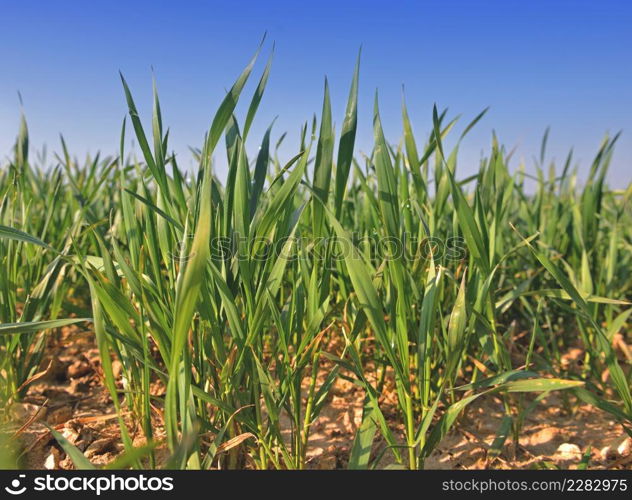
column 563, row 64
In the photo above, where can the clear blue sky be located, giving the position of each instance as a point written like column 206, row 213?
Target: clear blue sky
column 564, row 64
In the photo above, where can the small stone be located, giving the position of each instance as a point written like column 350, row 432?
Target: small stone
column 608, row 453
column 53, row 459
column 569, row 451
column 117, row 368
column 624, row 447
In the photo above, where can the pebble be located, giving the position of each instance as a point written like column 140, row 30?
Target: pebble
column 569, row 451
column 53, row 459
column 617, row 449
column 608, row 453
column 625, row 447
column 117, row 368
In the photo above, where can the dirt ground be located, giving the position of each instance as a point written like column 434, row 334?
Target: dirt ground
column 72, row 398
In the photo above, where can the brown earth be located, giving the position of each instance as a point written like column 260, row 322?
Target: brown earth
column 70, row 396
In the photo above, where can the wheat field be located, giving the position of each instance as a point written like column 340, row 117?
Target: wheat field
column 246, row 299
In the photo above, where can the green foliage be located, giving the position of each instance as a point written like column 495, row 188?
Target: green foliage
column 249, row 299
